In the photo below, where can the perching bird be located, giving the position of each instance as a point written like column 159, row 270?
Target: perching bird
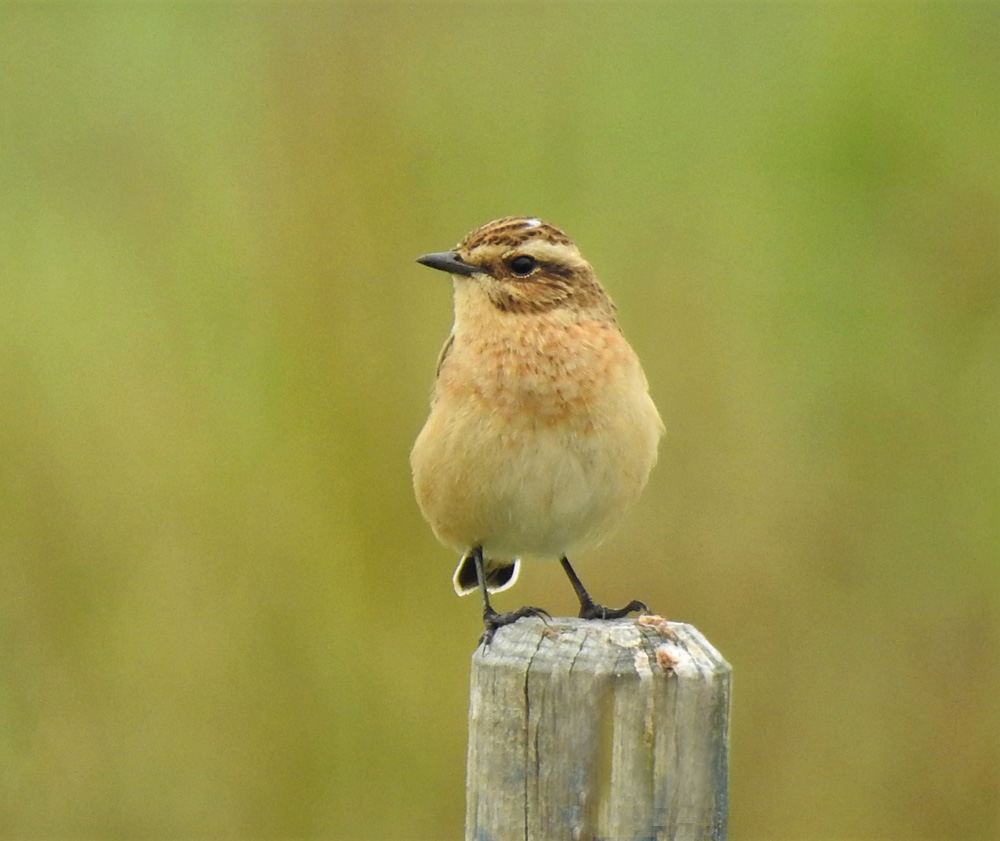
column 541, row 431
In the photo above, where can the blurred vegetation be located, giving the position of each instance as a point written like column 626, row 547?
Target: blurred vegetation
column 222, row 615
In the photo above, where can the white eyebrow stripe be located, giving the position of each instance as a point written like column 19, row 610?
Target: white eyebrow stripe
column 547, row 251
column 532, row 222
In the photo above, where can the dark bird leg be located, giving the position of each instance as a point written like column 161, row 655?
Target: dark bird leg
column 590, row 610
column 491, row 619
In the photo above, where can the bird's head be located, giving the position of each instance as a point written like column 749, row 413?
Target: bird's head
column 523, row 265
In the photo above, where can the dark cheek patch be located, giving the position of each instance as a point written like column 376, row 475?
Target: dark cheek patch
column 558, row 271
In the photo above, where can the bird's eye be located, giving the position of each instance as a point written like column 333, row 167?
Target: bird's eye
column 523, row 265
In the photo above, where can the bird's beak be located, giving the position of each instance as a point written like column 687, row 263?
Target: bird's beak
column 448, row 261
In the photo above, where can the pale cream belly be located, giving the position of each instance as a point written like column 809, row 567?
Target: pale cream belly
column 527, row 491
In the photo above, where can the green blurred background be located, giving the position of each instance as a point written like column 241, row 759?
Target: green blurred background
column 222, row 615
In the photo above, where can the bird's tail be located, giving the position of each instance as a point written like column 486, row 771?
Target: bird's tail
column 499, row 575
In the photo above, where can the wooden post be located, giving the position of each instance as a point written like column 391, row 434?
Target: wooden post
column 584, row 730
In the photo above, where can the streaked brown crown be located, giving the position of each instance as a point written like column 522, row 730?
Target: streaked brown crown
column 512, row 231
column 561, row 277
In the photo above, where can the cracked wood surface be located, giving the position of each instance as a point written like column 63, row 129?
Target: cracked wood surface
column 597, row 730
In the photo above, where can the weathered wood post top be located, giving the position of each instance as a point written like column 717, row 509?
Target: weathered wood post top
column 583, row 729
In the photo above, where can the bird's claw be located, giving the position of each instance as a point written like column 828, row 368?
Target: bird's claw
column 590, row 610
column 493, row 621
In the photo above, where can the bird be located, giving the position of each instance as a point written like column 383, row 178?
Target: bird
column 541, row 432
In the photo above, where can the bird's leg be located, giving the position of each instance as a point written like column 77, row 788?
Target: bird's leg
column 588, row 608
column 491, row 619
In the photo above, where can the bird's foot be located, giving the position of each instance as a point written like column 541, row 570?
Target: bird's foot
column 590, row 610
column 493, row 620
